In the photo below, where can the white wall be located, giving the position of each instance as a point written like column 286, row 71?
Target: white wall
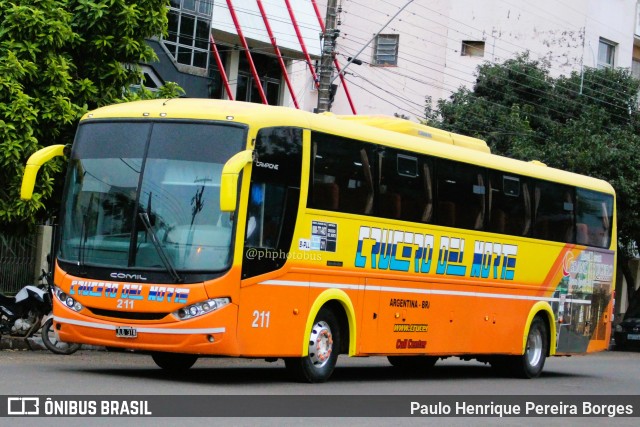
column 562, row 32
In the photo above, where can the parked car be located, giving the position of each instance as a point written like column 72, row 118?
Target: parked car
column 627, row 332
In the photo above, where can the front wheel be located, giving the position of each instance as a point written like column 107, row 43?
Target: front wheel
column 53, row 344
column 174, row 362
column 324, row 346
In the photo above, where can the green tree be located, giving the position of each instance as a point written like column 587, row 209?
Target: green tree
column 587, row 123
column 58, row 59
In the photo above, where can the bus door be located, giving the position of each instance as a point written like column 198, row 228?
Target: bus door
column 368, row 322
column 267, row 306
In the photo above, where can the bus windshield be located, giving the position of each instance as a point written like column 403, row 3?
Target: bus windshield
column 146, row 195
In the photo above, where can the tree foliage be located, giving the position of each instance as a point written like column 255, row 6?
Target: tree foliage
column 587, row 123
column 58, row 59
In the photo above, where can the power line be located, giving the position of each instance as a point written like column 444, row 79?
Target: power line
column 492, row 104
column 420, row 61
column 422, row 28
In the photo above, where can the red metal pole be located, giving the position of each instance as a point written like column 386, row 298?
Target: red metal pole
column 320, row 21
column 254, row 72
column 335, row 61
column 302, row 44
column 223, row 74
column 279, row 55
column 344, row 86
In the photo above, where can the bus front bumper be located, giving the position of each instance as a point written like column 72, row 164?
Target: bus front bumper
column 213, row 333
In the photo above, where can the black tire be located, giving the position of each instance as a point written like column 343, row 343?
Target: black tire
column 530, row 364
column 415, row 364
column 174, row 362
column 116, row 349
column 53, row 344
column 621, row 347
column 324, row 346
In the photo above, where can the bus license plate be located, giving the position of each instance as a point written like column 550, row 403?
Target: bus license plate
column 634, row 337
column 126, row 332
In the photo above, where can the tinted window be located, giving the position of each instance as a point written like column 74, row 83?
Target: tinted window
column 593, row 218
column 273, row 198
column 509, row 204
column 461, row 195
column 276, row 167
column 405, row 189
column 553, row 206
column 342, row 175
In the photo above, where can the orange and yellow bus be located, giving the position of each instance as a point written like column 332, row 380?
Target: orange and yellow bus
column 203, row 227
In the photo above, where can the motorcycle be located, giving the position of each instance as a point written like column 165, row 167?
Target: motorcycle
column 30, row 311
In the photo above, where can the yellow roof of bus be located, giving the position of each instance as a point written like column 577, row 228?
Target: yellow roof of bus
column 410, row 137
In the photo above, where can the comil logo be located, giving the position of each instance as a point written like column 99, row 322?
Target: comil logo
column 23, row 406
column 126, row 276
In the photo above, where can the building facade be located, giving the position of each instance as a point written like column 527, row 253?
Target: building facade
column 428, row 51
column 435, row 47
column 204, row 37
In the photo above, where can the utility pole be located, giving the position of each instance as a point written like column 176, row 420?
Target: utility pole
column 326, row 61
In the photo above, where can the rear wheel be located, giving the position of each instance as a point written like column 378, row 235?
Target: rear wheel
column 324, row 346
column 174, row 362
column 530, row 364
column 51, row 341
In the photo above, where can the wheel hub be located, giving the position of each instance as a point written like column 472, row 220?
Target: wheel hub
column 320, row 344
column 534, row 348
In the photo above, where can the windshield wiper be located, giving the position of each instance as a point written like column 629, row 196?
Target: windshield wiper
column 84, row 235
column 144, row 217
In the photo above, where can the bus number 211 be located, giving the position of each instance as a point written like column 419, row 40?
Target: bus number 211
column 126, row 304
column 260, row 319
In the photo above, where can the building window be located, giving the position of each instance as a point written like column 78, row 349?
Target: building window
column 472, row 48
column 385, row 49
column 269, row 71
column 188, row 31
column 635, row 68
column 606, row 54
column 216, row 85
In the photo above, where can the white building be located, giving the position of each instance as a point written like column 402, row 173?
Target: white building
column 429, row 50
column 432, row 48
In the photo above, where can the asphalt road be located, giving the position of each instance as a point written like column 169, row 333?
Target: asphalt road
column 104, row 373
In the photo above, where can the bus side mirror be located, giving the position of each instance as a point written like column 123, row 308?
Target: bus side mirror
column 36, row 160
column 229, row 180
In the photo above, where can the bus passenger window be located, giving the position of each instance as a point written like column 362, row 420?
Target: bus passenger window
column 553, row 212
column 356, row 183
column 461, row 195
column 593, row 213
column 404, row 190
column 342, row 176
column 509, row 205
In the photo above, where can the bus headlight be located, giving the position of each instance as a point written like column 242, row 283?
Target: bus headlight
column 67, row 300
column 200, row 308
